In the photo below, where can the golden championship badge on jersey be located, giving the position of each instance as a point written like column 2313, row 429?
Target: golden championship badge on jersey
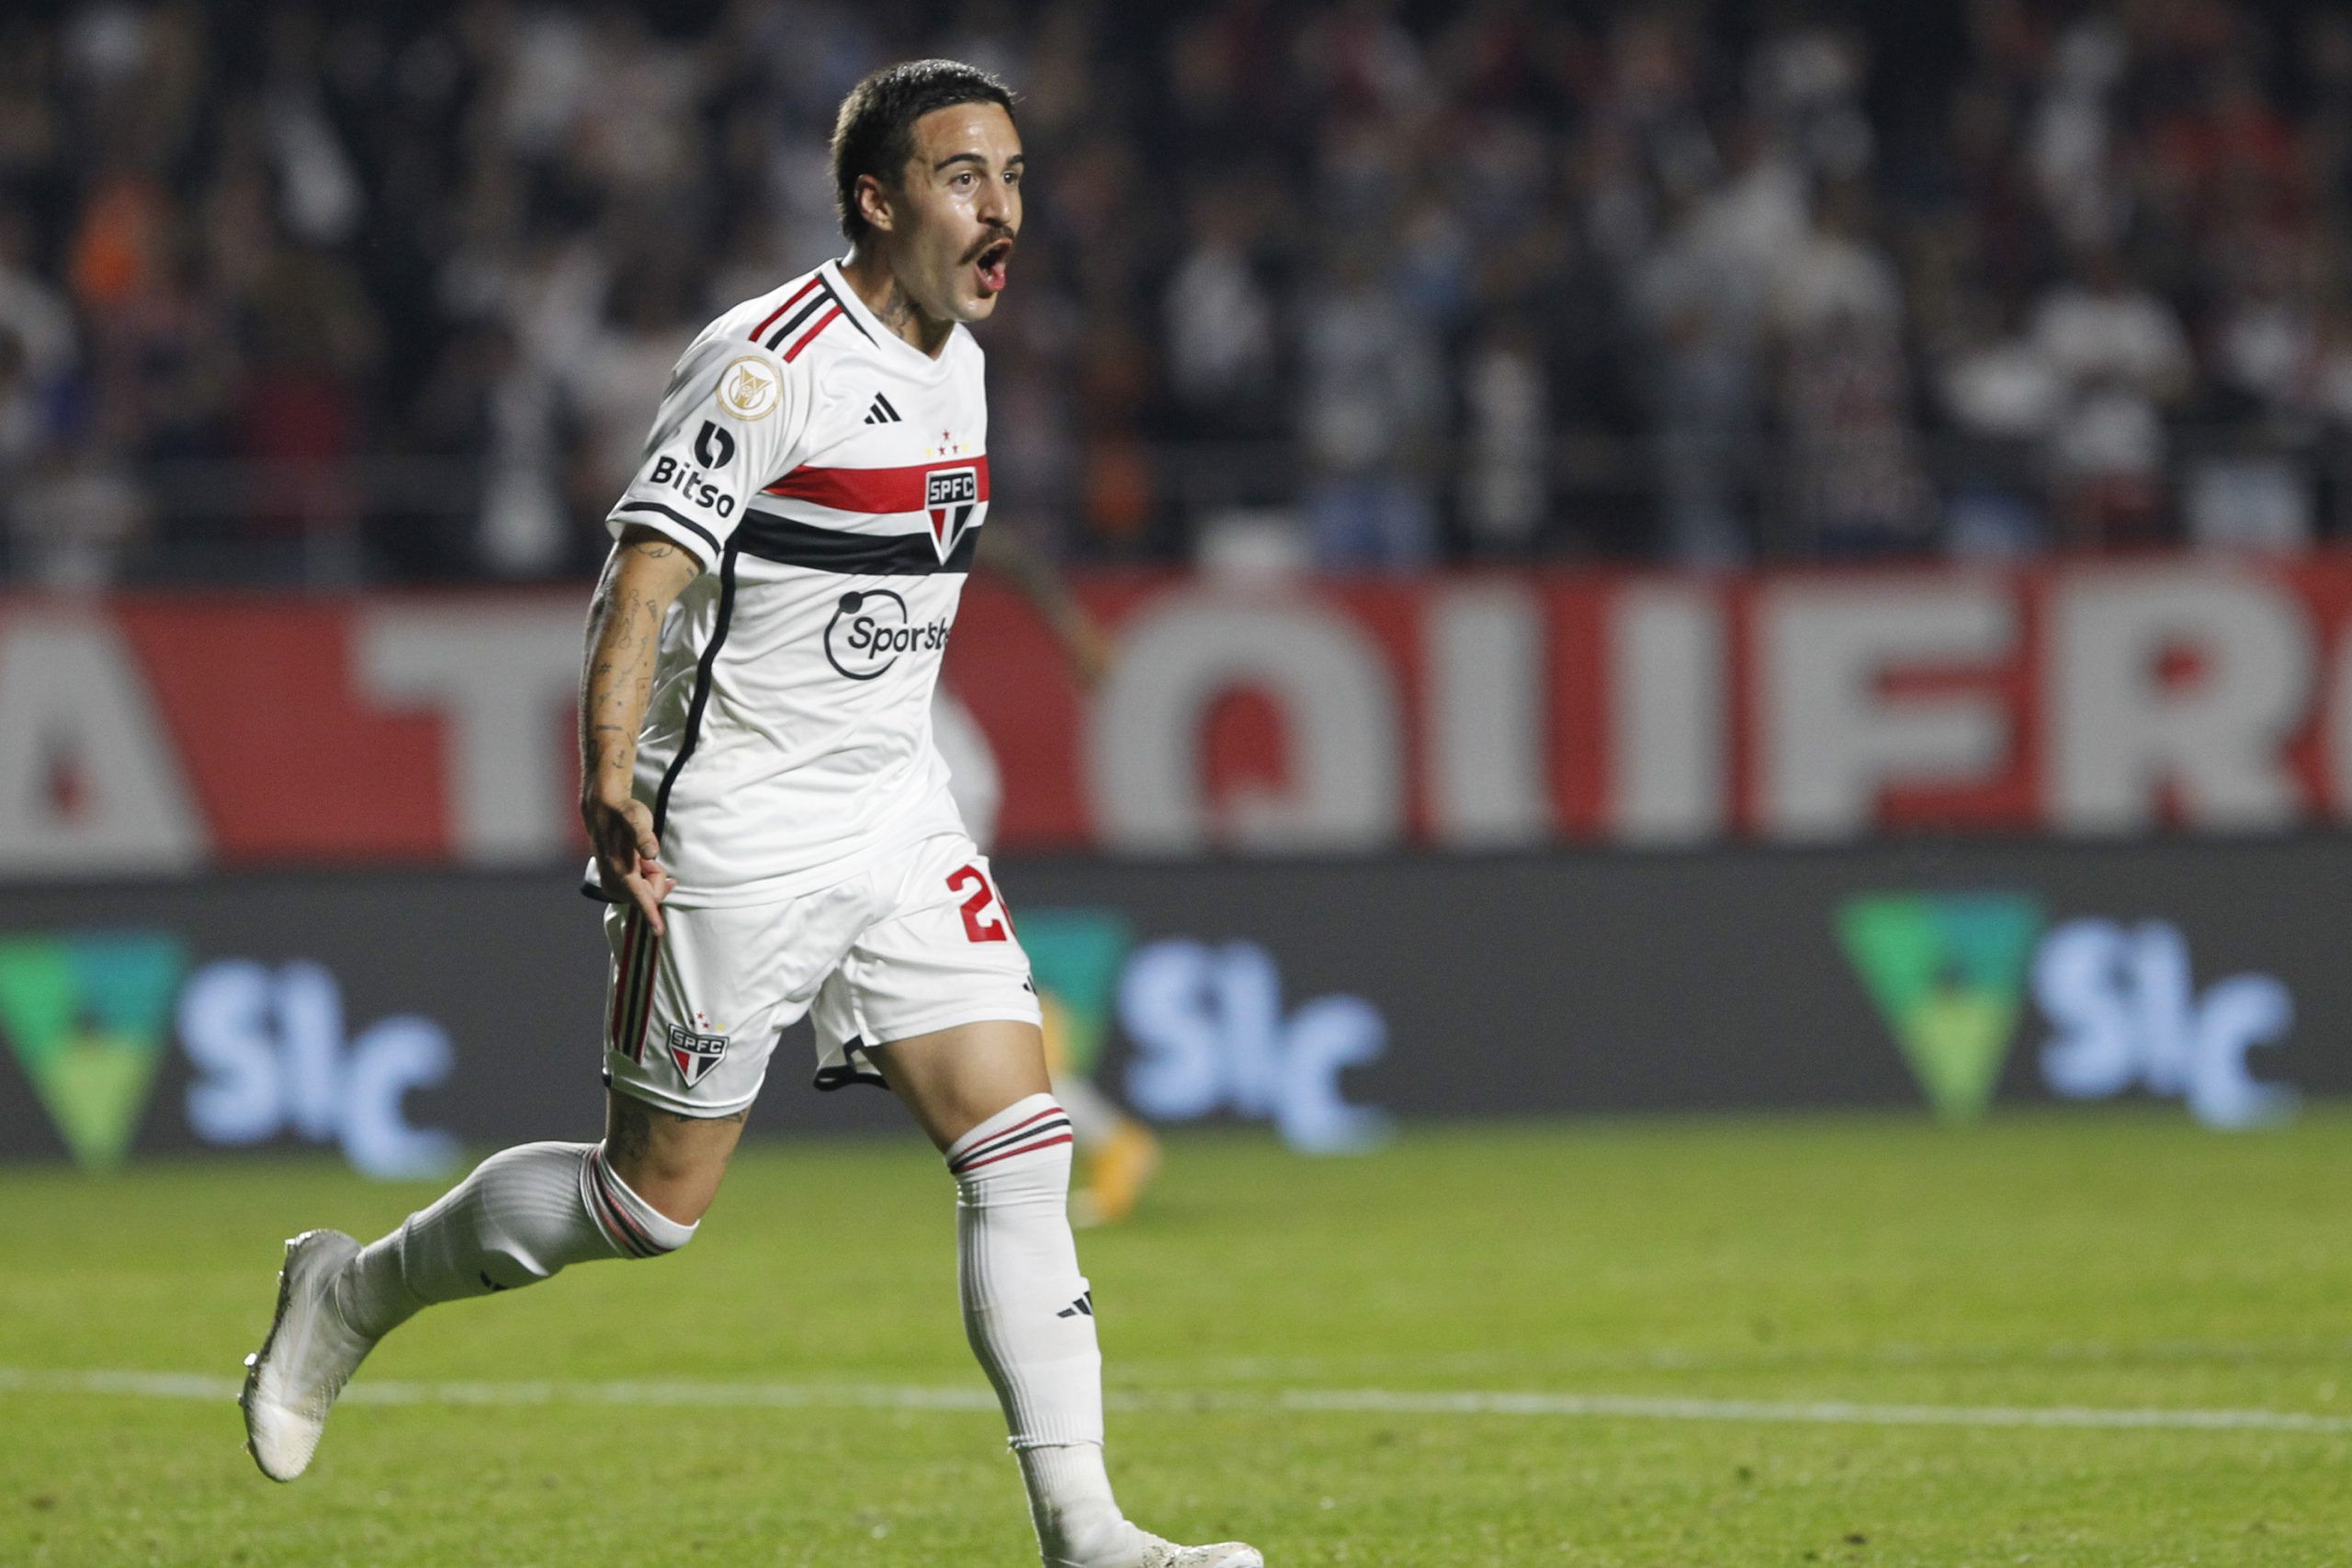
column 747, row 388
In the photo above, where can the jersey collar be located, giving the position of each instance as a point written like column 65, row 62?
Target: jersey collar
column 914, row 361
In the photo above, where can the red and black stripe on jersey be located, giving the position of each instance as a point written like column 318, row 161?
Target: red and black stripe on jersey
column 774, row 537
column 879, row 492
column 812, row 307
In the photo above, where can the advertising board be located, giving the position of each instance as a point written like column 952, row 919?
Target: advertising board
column 1469, row 713
column 397, row 1017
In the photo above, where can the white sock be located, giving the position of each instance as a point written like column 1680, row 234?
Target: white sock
column 1030, row 1317
column 522, row 1215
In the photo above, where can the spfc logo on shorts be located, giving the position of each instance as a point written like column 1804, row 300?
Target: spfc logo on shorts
column 950, row 495
column 694, row 1053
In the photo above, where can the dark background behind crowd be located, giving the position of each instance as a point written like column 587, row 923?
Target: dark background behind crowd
column 326, row 294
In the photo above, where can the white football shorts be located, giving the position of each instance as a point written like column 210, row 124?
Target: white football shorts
column 919, row 941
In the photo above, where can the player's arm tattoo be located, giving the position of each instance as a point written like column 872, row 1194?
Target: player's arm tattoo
column 643, row 575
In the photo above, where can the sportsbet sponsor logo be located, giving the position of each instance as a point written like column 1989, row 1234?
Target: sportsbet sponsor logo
column 85, row 1015
column 1950, row 974
column 869, row 632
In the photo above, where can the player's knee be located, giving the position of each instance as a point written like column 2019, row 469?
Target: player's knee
column 640, row 1224
column 1020, row 1157
column 686, row 1216
column 671, row 1163
column 648, row 1207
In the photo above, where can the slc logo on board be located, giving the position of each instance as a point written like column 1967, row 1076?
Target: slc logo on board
column 1950, row 974
column 85, row 1015
column 88, row 1016
column 1208, row 1027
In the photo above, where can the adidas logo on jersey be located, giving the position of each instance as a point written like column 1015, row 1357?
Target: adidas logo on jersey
column 881, row 412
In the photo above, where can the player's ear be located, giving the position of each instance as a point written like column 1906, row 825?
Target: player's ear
column 873, row 202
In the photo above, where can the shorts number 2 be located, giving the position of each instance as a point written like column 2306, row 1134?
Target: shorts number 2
column 978, row 924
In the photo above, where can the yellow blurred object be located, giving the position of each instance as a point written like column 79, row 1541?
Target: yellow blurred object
column 1117, row 1174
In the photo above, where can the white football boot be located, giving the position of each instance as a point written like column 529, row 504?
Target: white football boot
column 1145, row 1549
column 292, row 1381
column 1159, row 1554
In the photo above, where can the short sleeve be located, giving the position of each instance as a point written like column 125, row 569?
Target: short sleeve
column 732, row 420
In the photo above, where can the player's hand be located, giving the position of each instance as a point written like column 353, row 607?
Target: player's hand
column 628, row 857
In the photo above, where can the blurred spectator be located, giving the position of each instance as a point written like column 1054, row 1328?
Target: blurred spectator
column 1505, row 467
column 35, row 314
column 1372, row 409
column 2002, row 394
column 348, row 291
column 1846, row 455
column 1222, row 328
column 2121, row 356
column 1707, row 294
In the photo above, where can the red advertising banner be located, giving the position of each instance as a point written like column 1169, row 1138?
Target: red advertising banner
column 2203, row 694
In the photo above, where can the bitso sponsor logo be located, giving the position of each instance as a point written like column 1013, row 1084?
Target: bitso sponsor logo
column 870, row 632
column 714, row 449
column 693, row 485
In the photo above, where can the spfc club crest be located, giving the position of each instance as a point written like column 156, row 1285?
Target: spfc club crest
column 951, row 495
column 694, row 1053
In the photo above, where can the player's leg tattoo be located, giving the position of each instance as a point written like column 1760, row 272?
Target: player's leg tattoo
column 674, row 1161
column 629, row 1128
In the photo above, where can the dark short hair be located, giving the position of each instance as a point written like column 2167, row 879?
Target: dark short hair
column 875, row 133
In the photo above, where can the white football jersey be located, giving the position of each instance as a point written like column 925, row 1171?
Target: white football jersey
column 831, row 478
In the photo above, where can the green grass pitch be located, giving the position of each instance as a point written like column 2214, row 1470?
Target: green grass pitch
column 1816, row 1340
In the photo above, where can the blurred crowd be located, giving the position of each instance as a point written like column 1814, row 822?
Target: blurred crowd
column 322, row 293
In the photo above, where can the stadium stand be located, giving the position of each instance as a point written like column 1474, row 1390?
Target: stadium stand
column 1394, row 283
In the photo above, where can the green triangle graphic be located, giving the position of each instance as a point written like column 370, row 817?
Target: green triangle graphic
column 1947, row 973
column 1074, row 956
column 84, row 1014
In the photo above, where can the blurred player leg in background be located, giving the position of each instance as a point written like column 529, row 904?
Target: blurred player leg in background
column 1121, row 1156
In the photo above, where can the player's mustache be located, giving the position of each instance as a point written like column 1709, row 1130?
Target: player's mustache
column 996, row 237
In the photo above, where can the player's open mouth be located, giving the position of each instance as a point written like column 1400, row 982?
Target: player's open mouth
column 991, row 266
